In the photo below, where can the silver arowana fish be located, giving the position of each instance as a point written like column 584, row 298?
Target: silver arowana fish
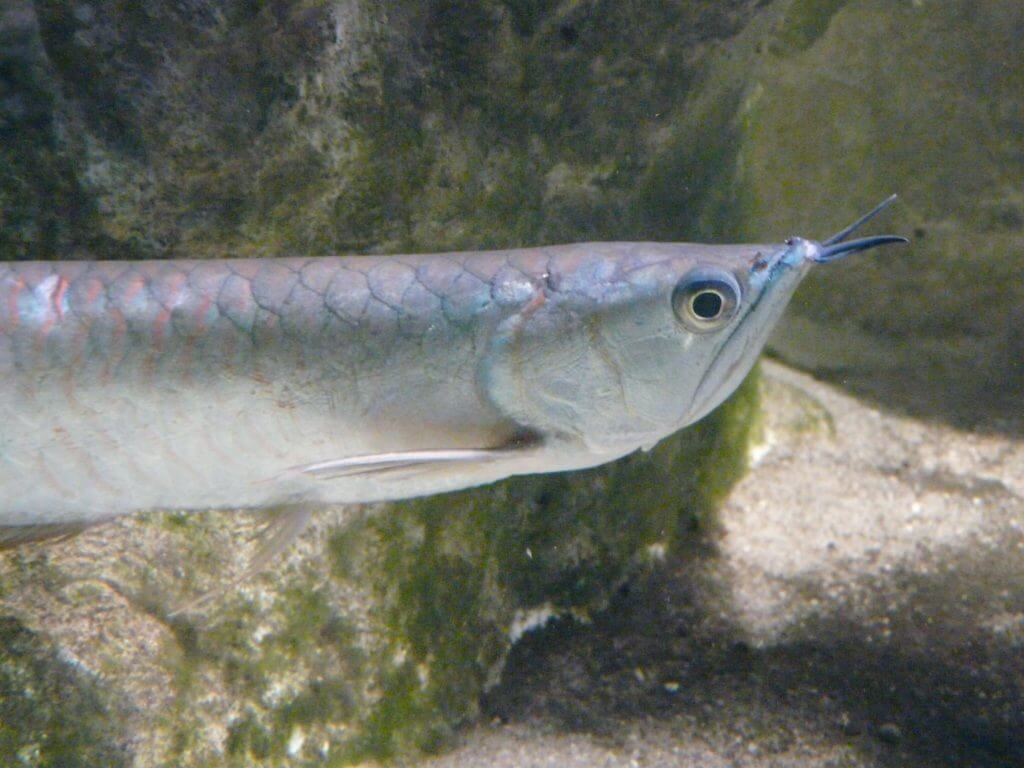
column 290, row 382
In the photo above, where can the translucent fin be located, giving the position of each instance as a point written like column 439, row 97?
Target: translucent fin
column 400, row 463
column 279, row 534
column 12, row 536
column 286, row 525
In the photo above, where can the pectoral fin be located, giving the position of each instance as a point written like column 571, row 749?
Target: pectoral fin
column 403, row 462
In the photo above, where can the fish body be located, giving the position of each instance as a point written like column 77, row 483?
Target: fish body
column 191, row 385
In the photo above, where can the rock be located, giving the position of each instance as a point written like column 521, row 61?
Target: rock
column 375, row 638
column 861, row 604
column 848, row 102
column 231, row 129
column 210, row 129
column 890, row 733
column 51, row 713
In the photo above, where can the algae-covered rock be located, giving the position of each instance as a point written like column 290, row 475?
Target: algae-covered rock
column 376, row 636
column 210, row 129
column 214, row 128
column 50, row 713
column 843, row 103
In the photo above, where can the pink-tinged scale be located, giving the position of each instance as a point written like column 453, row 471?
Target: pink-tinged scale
column 248, row 269
column 12, row 288
column 75, row 270
column 205, row 278
column 388, row 281
column 127, row 288
column 347, row 296
column 466, row 297
column 318, row 273
column 34, row 272
column 485, row 265
column 47, row 308
column 567, row 263
column 87, row 296
column 532, row 262
column 235, row 301
column 272, row 285
column 439, row 274
column 58, row 296
column 167, row 283
column 192, row 318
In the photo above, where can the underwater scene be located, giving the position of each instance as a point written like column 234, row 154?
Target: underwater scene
column 511, row 383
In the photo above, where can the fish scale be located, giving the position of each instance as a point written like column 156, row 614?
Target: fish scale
column 166, row 368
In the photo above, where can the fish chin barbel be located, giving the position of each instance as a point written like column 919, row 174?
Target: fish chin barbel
column 292, row 383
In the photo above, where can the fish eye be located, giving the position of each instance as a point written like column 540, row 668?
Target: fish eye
column 705, row 300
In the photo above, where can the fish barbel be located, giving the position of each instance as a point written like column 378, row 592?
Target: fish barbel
column 190, row 385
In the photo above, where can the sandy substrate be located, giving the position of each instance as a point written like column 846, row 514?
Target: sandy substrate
column 862, row 604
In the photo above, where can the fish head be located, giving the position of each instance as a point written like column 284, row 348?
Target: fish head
column 639, row 340
column 729, row 308
column 725, row 309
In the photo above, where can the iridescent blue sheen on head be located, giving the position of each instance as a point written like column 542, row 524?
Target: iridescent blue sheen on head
column 771, row 280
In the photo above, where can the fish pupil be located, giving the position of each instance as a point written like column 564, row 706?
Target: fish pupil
column 707, row 305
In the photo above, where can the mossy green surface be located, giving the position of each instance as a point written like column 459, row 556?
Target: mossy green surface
column 926, row 100
column 379, row 643
column 320, row 127
column 308, row 128
column 52, row 715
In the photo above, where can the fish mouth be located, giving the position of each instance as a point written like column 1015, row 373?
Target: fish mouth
column 773, row 278
column 795, row 253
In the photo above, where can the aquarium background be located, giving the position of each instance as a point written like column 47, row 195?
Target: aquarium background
column 212, row 129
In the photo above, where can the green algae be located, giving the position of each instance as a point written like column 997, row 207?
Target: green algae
column 925, row 100
column 284, row 129
column 295, row 664
column 52, row 715
column 803, row 22
column 271, row 134
column 382, row 645
column 452, row 573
